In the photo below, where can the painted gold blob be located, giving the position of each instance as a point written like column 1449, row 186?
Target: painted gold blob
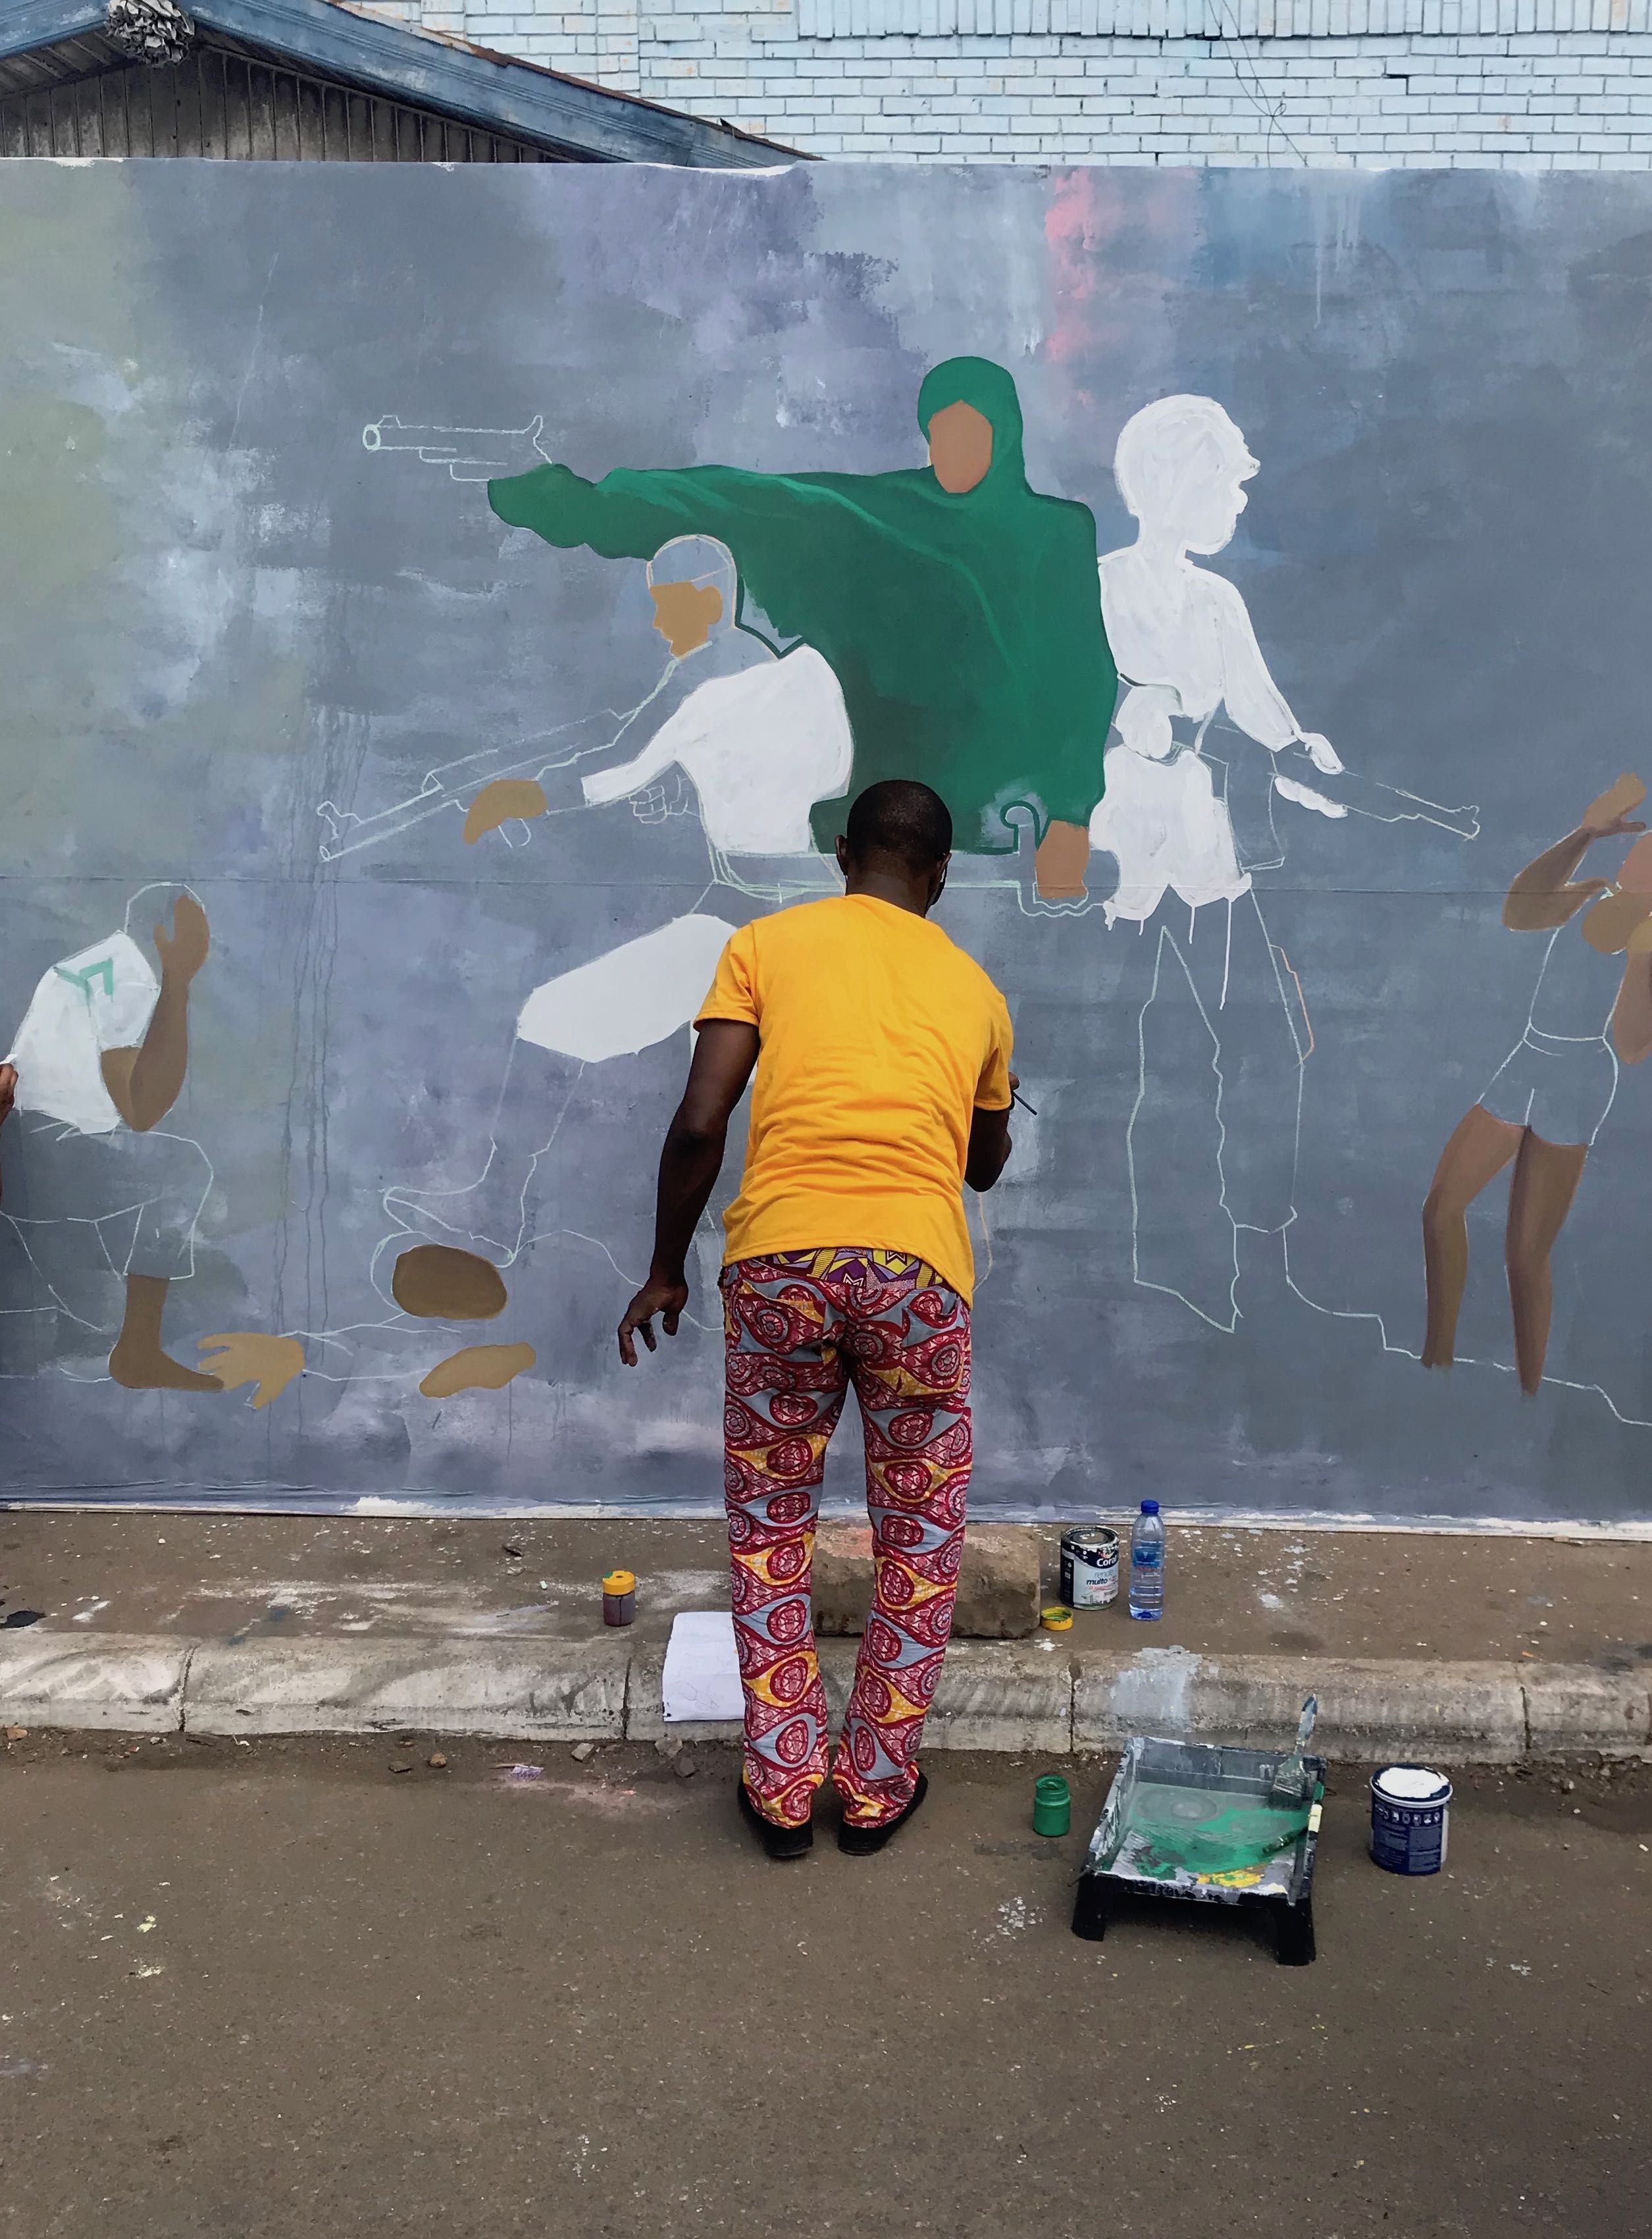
column 440, row 1284
column 477, row 1368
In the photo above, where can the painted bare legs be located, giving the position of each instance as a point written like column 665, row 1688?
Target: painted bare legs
column 139, row 1360
column 1481, row 1146
column 1540, row 1196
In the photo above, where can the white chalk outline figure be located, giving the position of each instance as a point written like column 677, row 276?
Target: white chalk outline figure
column 741, row 730
column 149, row 1184
column 1186, row 652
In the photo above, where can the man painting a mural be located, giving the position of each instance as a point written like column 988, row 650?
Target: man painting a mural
column 883, row 1085
column 955, row 603
column 1550, row 1096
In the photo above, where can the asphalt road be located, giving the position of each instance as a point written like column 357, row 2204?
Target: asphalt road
column 279, row 1991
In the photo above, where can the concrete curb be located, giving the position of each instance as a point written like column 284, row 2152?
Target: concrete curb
column 1469, row 1713
column 1026, row 1697
column 549, row 1691
column 94, row 1682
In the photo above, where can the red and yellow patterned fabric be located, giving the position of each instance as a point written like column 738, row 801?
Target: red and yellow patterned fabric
column 800, row 1328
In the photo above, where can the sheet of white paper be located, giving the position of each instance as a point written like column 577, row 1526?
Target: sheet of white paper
column 702, row 1669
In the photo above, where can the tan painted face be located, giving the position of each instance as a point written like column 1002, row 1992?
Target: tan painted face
column 960, row 447
column 684, row 614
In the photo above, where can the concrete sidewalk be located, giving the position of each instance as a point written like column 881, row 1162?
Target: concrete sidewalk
column 1466, row 1650
column 1283, row 1590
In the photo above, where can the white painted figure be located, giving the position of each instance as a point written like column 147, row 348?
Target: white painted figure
column 1225, row 1005
column 759, row 738
column 102, row 1189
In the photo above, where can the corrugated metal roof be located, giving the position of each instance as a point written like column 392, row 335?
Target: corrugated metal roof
column 46, row 43
column 226, row 101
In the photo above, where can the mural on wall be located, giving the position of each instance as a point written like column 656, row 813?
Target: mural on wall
column 1551, row 1095
column 474, row 727
column 1172, row 817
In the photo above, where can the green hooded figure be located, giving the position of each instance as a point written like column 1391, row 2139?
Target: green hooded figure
column 957, row 606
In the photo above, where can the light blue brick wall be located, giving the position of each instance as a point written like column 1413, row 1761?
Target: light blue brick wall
column 1517, row 85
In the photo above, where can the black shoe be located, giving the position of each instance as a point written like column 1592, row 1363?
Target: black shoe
column 861, row 1841
column 779, row 1842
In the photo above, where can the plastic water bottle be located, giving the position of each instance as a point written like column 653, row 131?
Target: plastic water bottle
column 1147, row 1562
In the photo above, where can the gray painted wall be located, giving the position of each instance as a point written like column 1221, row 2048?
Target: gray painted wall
column 218, row 609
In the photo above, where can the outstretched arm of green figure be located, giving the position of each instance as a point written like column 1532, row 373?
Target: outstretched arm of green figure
column 632, row 511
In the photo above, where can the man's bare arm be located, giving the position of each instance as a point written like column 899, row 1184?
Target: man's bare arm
column 1544, row 895
column 144, row 1083
column 689, row 1165
column 989, row 1147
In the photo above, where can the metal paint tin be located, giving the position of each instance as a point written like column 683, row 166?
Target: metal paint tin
column 1410, row 1810
column 619, row 1598
column 1089, row 1566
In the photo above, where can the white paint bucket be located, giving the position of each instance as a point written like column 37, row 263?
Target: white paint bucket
column 1410, row 1813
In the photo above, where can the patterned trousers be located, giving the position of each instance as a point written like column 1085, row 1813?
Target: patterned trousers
column 800, row 1327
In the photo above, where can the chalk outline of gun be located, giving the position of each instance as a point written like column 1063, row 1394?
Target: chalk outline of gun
column 462, row 450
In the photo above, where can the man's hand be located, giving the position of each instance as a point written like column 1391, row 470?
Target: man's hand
column 1607, row 816
column 664, row 1295
column 1322, row 754
column 1288, row 788
column 7, row 1091
column 183, row 956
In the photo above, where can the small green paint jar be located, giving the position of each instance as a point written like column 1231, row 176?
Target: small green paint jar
column 1052, row 1806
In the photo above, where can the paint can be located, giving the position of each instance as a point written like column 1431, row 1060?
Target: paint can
column 1052, row 1806
column 1410, row 1810
column 1089, row 1566
column 619, row 1598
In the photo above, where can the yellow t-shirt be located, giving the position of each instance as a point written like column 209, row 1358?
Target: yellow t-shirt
column 877, row 1039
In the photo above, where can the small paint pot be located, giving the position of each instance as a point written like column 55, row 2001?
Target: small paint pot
column 1410, row 1810
column 1052, row 1806
column 1089, row 1566
column 1055, row 1619
column 619, row 1598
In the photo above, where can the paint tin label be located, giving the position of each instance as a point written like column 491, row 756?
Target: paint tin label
column 1089, row 1566
column 1410, row 1819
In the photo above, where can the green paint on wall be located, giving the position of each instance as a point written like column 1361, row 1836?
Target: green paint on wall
column 964, row 627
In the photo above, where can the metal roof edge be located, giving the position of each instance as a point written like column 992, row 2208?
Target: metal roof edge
column 499, row 93
column 26, row 24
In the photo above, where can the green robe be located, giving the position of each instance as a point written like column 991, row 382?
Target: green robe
column 965, row 630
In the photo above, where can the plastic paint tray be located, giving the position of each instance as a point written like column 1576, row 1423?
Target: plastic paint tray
column 1188, row 1822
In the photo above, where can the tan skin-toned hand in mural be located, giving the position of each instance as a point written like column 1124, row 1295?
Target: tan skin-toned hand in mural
column 960, row 451
column 1543, row 896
